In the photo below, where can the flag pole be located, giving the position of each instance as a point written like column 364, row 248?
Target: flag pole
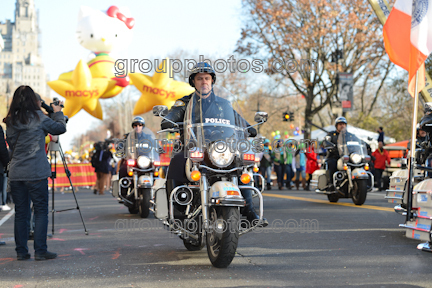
column 413, row 148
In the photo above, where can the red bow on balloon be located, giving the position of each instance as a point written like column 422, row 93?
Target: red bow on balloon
column 114, row 12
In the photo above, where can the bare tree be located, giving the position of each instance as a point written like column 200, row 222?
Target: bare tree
column 288, row 31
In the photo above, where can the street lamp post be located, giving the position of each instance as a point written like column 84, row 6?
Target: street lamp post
column 335, row 56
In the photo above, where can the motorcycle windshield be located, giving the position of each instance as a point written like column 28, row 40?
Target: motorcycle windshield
column 143, row 144
column 349, row 143
column 214, row 117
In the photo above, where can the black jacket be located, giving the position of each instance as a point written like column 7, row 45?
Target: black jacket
column 101, row 162
column 4, row 155
column 333, row 152
column 29, row 161
column 213, row 108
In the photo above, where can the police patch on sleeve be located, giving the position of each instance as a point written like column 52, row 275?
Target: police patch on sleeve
column 179, row 103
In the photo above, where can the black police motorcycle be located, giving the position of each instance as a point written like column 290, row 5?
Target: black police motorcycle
column 133, row 185
column 352, row 179
column 207, row 209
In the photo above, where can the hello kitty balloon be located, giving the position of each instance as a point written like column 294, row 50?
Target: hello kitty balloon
column 102, row 32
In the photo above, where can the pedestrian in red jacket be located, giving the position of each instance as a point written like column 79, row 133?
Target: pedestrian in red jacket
column 381, row 156
column 311, row 164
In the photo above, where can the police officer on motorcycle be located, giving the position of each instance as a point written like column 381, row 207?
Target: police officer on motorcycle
column 202, row 77
column 138, row 124
column 333, row 153
column 135, row 136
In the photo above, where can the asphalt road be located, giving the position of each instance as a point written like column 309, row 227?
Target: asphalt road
column 349, row 246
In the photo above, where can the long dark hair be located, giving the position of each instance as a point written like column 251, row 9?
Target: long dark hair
column 24, row 105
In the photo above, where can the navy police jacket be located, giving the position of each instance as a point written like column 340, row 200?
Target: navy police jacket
column 213, row 111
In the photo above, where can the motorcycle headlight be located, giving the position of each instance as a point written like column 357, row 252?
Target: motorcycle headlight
column 355, row 158
column 143, row 162
column 221, row 158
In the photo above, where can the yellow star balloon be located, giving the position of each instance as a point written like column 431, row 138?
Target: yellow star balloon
column 159, row 89
column 82, row 91
column 102, row 66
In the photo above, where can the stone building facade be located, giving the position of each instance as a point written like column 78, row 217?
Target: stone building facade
column 20, row 59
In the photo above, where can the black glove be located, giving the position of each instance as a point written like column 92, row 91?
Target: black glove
column 252, row 132
column 167, row 125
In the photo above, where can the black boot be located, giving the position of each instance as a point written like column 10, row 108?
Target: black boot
column 251, row 215
column 268, row 186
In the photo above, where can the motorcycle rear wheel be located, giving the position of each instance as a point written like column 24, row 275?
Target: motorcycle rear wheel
column 333, row 198
column 222, row 238
column 133, row 209
column 193, row 247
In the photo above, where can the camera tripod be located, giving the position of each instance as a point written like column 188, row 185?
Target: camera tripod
column 53, row 148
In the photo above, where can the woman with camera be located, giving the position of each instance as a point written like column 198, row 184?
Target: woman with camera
column 28, row 169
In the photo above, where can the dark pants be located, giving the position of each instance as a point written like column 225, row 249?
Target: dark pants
column 289, row 174
column 22, row 192
column 266, row 173
column 280, row 171
column 122, row 172
column 249, row 210
column 378, row 176
column 176, row 177
column 176, row 169
column 309, row 179
column 331, row 168
column 2, row 191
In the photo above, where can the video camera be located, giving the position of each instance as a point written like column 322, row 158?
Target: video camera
column 103, row 145
column 50, row 110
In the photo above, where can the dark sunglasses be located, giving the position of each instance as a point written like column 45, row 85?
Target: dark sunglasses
column 137, row 125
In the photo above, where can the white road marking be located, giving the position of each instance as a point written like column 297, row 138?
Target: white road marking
column 5, row 218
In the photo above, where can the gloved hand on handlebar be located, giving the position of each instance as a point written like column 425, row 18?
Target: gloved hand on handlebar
column 169, row 125
column 252, row 132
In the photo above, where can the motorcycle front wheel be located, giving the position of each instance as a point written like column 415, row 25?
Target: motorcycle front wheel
column 144, row 202
column 223, row 235
column 360, row 192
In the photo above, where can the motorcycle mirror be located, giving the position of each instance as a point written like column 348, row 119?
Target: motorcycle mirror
column 160, row 110
column 261, row 117
column 327, row 138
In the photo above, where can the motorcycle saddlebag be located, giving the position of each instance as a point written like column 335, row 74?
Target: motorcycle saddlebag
column 319, row 179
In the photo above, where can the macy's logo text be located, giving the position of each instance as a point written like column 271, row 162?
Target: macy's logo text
column 82, row 93
column 157, row 91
